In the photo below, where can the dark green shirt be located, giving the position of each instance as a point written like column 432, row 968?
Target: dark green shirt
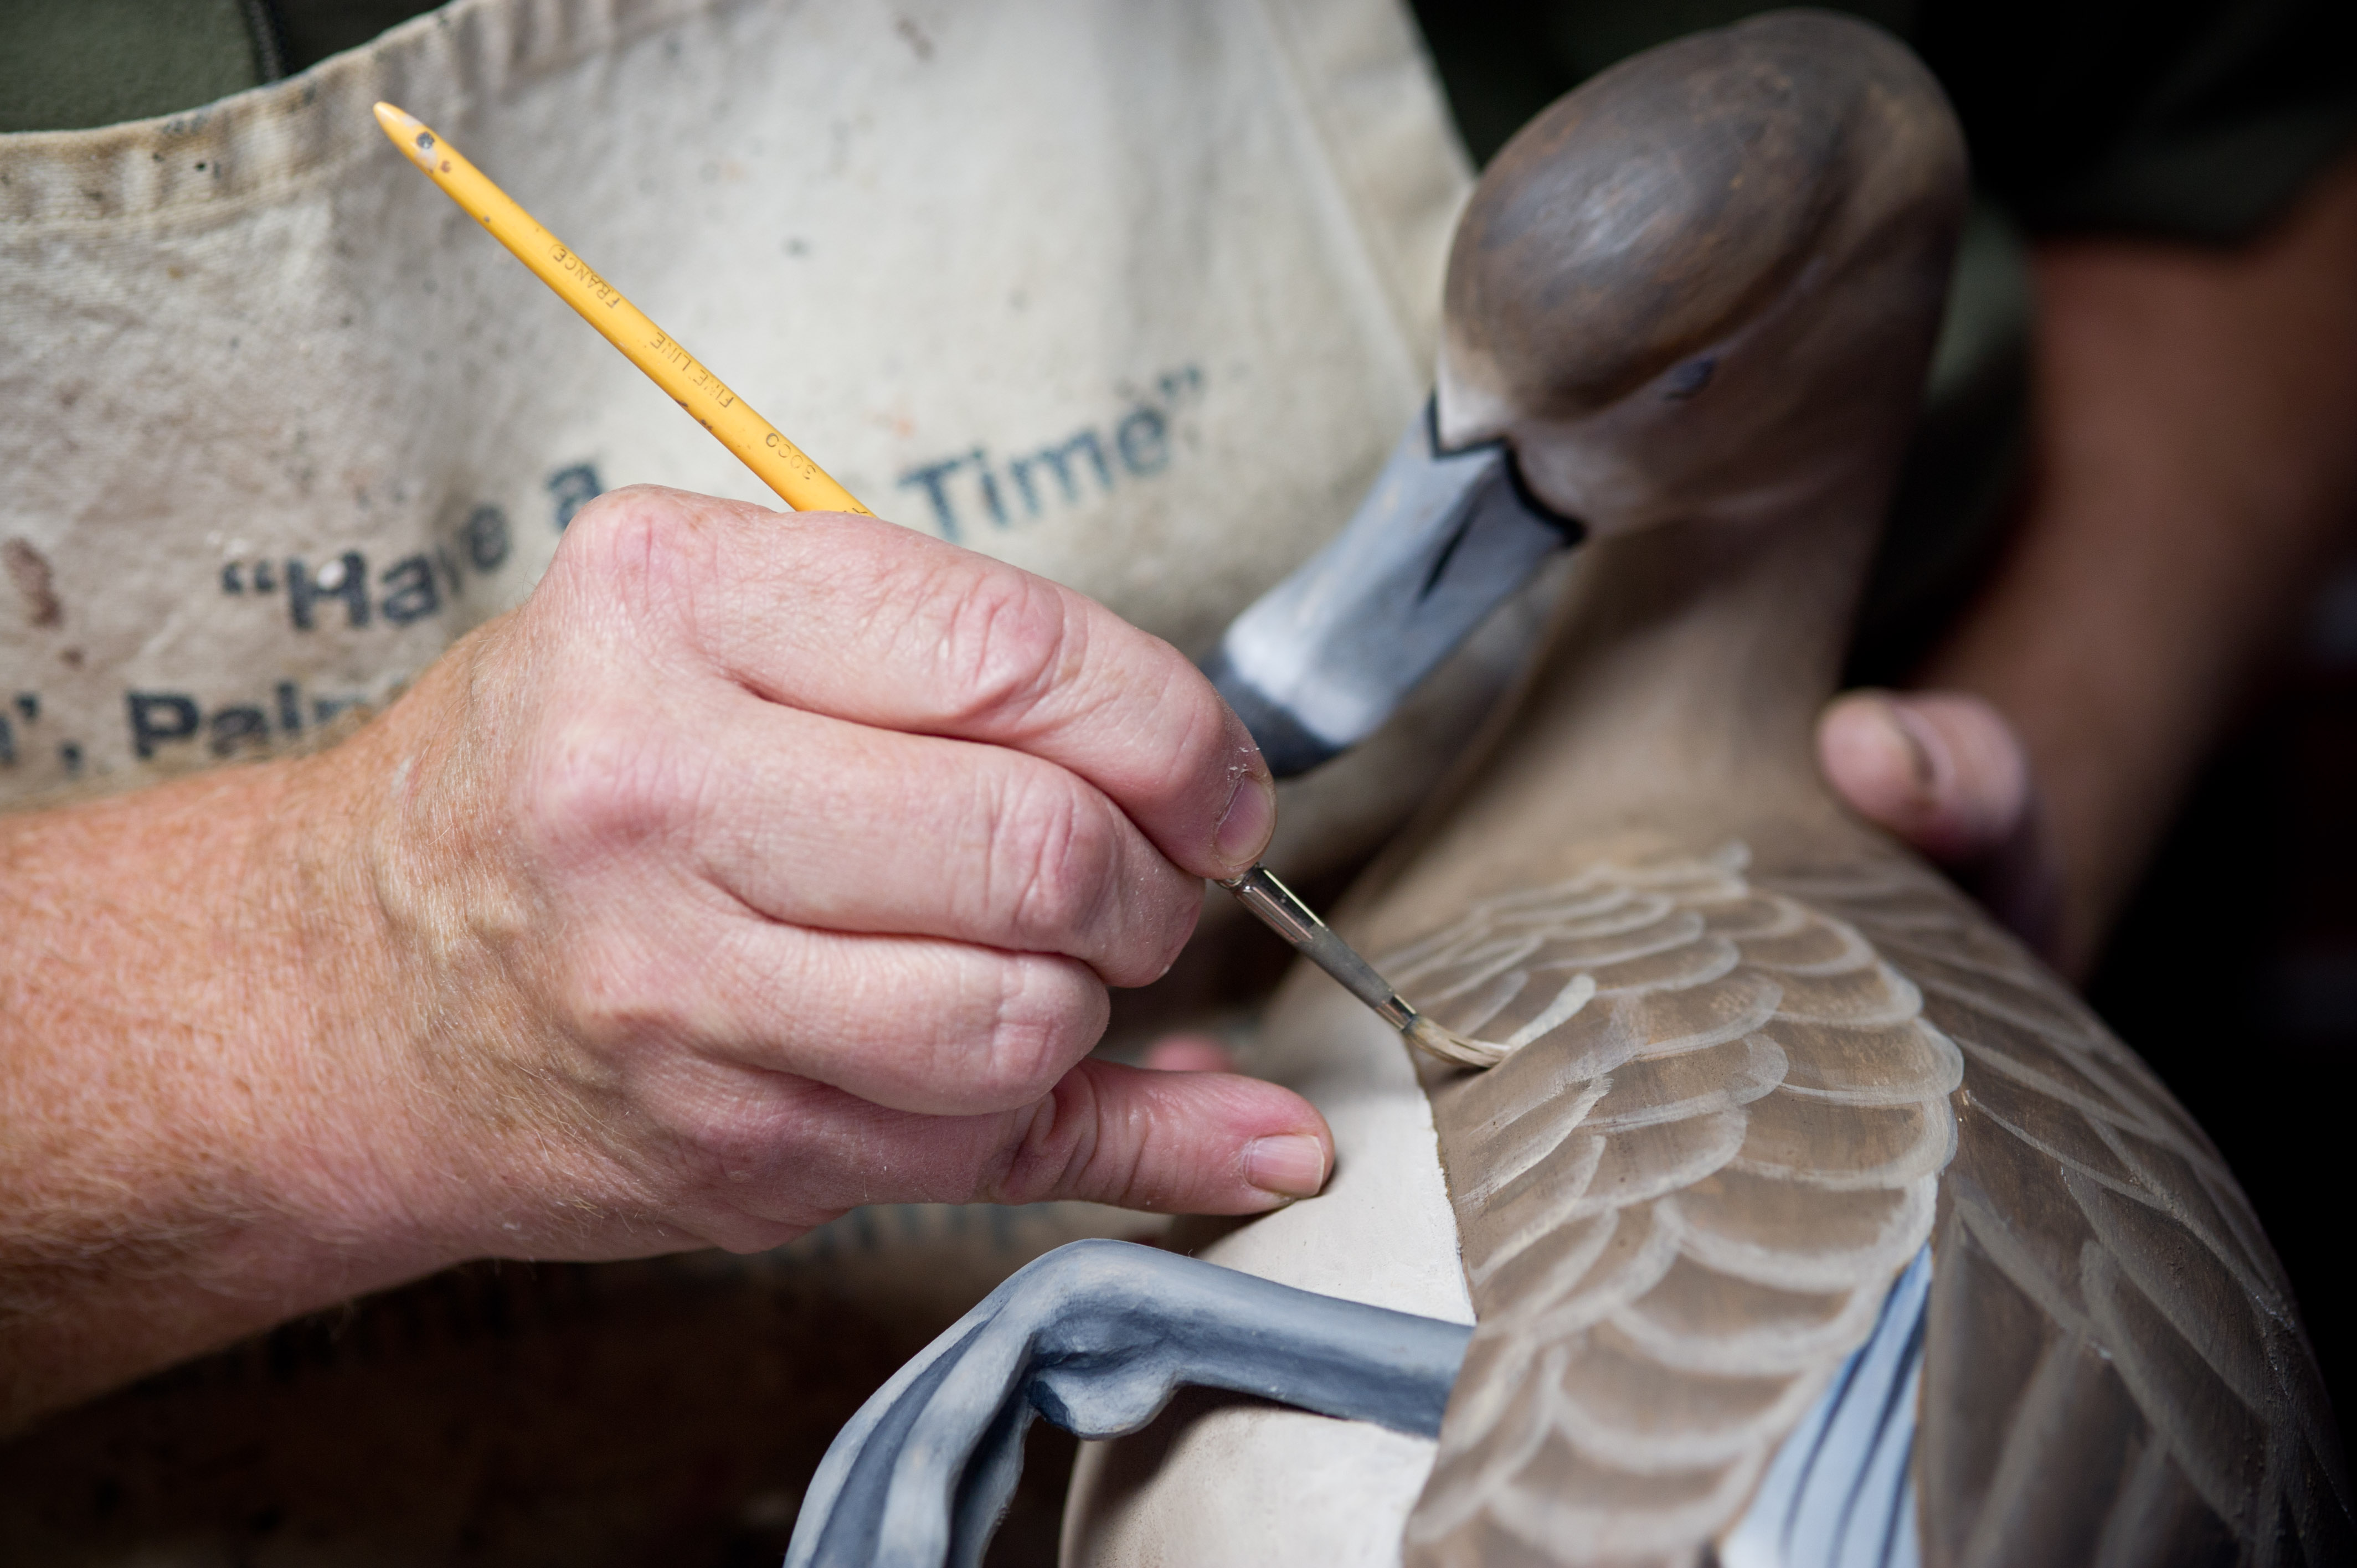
column 66, row 65
column 2197, row 119
column 2193, row 118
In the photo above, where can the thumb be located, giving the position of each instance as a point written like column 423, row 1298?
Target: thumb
column 1946, row 772
column 1940, row 770
column 1184, row 1142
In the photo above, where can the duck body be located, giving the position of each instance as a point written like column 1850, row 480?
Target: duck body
column 1815, row 1221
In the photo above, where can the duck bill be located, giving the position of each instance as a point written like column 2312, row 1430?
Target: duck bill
column 1319, row 662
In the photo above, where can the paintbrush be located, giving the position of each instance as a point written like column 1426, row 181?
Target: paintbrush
column 802, row 485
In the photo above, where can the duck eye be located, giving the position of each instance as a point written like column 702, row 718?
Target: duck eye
column 1689, row 378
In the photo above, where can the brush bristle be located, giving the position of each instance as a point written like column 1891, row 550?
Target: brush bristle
column 1451, row 1047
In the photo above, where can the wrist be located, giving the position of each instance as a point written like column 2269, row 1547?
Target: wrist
column 462, row 1122
column 331, row 1109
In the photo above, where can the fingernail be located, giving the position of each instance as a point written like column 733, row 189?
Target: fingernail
column 1293, row 1166
column 1245, row 831
column 1927, row 754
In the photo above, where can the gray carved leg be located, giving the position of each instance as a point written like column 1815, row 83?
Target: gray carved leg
column 1096, row 1336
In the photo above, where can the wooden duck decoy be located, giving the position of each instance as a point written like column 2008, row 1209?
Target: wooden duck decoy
column 1813, row 1090
column 1811, row 1222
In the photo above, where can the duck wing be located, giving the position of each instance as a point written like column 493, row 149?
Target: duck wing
column 2114, row 1366
column 1682, row 1203
column 1741, row 1107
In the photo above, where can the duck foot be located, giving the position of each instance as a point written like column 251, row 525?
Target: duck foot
column 1096, row 1336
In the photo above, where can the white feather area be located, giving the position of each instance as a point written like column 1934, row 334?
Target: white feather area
column 1838, row 1493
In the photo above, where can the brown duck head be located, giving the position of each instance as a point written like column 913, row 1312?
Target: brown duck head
column 1701, row 289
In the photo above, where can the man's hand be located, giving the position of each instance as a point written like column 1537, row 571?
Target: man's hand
column 807, row 851
column 1945, row 773
column 756, row 868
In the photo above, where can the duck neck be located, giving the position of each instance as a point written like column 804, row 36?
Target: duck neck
column 1695, row 658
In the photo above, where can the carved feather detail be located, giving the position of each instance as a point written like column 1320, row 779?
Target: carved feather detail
column 2114, row 1368
column 1682, row 1203
column 1684, row 1200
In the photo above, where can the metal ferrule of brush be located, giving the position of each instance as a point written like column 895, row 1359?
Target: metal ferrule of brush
column 1260, row 891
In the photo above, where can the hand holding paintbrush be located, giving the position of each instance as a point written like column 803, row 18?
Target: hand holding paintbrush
column 805, row 487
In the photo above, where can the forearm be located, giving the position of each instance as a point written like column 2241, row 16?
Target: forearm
column 176, row 1080
column 2193, row 467
column 263, row 1046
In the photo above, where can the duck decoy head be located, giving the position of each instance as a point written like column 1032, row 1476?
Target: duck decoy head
column 1707, row 279
column 1701, row 288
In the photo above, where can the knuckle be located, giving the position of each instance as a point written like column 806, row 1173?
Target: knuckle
column 1056, row 858
column 636, row 547
column 727, row 1115
column 616, row 533
column 1007, row 640
column 1173, row 925
column 618, row 994
column 1049, row 1013
column 594, row 785
column 1062, row 1147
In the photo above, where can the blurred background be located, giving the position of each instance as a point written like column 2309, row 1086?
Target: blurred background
column 2234, row 971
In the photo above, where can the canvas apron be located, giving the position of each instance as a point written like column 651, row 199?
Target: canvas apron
column 1133, row 295
column 1137, row 295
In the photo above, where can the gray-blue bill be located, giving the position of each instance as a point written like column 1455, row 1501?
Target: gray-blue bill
column 1319, row 662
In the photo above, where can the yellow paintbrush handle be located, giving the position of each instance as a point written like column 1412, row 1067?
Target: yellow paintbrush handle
column 781, row 464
